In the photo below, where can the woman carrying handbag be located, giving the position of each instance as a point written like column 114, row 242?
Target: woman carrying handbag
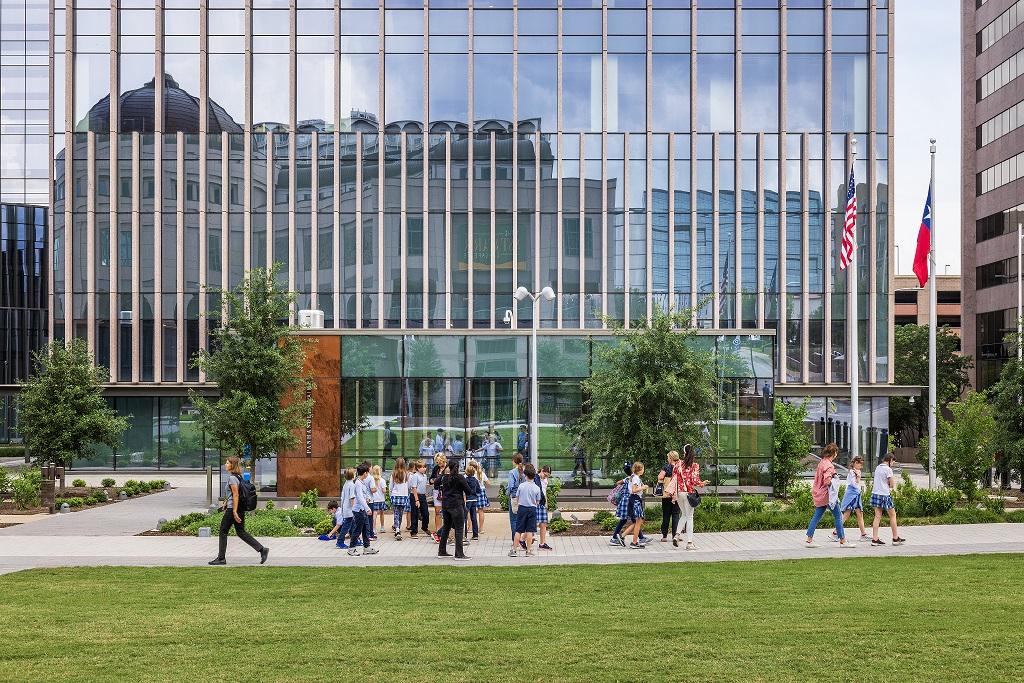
column 687, row 476
column 668, row 486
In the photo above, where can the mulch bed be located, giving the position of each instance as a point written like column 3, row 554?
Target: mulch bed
column 4, row 525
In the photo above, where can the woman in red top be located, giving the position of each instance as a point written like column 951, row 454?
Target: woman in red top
column 821, row 494
column 687, row 473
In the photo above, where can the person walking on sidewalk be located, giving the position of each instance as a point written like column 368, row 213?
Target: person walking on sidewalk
column 472, row 499
column 687, row 474
column 528, row 496
column 440, row 465
column 852, row 497
column 361, row 519
column 235, row 516
column 825, row 495
column 668, row 484
column 454, row 490
column 399, row 496
column 515, row 478
column 419, row 514
column 881, row 500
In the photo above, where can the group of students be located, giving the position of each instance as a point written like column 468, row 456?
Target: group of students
column 528, row 505
column 825, row 494
column 678, row 485
column 459, row 503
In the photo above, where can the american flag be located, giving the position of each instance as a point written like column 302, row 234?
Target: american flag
column 850, row 227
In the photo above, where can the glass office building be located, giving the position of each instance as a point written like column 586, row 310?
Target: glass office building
column 410, row 163
column 24, row 101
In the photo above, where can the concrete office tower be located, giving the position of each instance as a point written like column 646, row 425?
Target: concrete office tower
column 993, row 163
column 410, row 164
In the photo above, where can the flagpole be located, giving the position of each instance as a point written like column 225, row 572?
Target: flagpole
column 854, row 336
column 932, row 318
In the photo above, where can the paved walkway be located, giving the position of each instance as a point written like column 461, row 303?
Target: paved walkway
column 19, row 552
column 126, row 518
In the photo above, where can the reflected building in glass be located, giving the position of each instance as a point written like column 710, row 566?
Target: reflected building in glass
column 410, row 164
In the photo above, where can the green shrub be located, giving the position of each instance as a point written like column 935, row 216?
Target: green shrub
column 5, row 481
column 503, row 500
column 301, row 517
column 800, row 497
column 557, row 526
column 602, row 515
column 108, row 482
column 710, row 503
column 268, row 525
column 309, row 499
column 269, row 505
column 609, row 523
column 996, row 505
column 12, row 451
column 968, row 516
column 98, row 497
column 652, row 513
column 73, row 502
column 184, row 521
column 78, row 482
column 26, row 488
column 323, row 526
column 1015, row 516
column 937, row 503
column 554, row 486
column 157, row 484
column 751, row 503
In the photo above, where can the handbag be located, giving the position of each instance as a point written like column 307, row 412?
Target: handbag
column 693, row 499
column 671, row 486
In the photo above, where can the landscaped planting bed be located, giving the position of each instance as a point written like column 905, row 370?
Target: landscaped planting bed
column 21, row 494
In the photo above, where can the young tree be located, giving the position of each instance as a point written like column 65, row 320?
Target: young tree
column 791, row 441
column 910, row 346
column 1007, row 397
column 650, row 393
column 964, row 445
column 258, row 366
column 61, row 410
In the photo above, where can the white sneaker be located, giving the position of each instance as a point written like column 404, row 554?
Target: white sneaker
column 513, row 553
column 370, row 551
column 847, row 545
column 811, row 545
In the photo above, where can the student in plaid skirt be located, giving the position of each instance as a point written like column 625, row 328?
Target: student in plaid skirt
column 542, row 508
column 636, row 503
column 472, row 499
column 399, row 495
column 622, row 508
column 378, row 500
column 482, row 501
column 881, row 499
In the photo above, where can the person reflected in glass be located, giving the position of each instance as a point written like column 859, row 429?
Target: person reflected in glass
column 427, row 449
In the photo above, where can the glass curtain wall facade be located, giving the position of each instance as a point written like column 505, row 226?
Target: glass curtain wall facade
column 411, row 163
column 472, row 385
column 24, row 101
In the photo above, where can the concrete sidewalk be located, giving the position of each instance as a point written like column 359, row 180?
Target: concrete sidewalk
column 20, row 552
column 125, row 518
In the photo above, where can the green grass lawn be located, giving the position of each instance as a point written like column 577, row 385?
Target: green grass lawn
column 944, row 618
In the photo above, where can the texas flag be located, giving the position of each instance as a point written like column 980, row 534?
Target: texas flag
column 924, row 243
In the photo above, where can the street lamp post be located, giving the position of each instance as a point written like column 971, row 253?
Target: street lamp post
column 522, row 294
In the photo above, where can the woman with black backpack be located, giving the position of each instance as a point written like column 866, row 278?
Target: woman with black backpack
column 234, row 513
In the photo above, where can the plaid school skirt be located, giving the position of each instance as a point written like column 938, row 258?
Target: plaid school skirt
column 882, row 502
column 400, row 501
column 482, row 500
column 542, row 514
column 622, row 509
column 636, row 508
column 379, row 506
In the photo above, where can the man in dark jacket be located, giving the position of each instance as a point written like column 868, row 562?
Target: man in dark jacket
column 454, row 489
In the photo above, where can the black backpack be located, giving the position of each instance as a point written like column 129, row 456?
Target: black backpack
column 543, row 498
column 247, row 498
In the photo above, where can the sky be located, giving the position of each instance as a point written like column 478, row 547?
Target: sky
column 926, row 88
